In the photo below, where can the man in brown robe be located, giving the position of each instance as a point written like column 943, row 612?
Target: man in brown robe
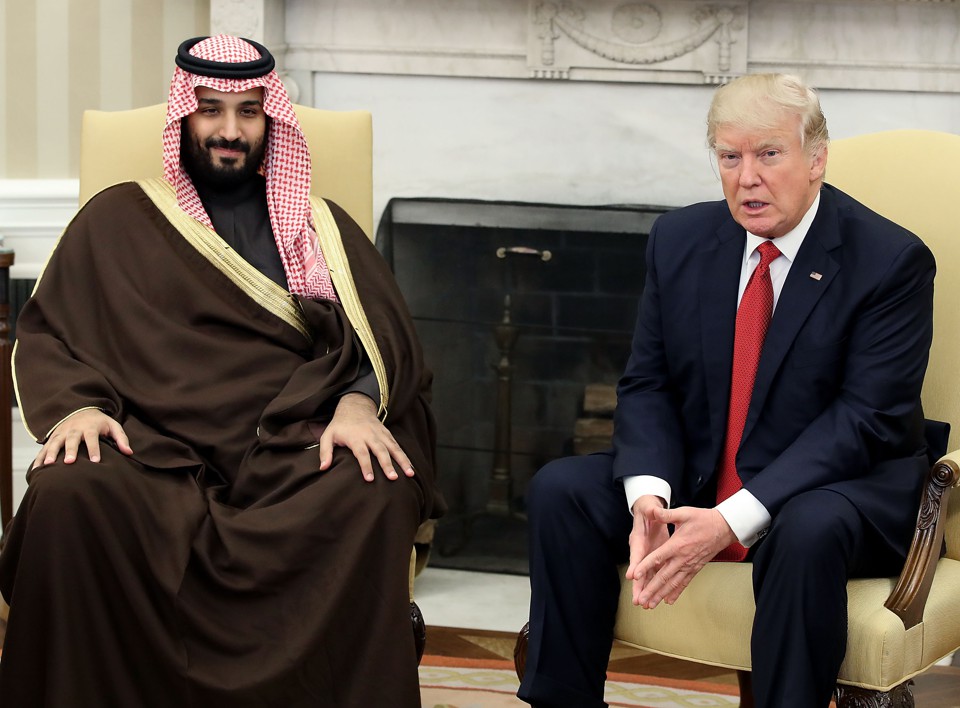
column 237, row 447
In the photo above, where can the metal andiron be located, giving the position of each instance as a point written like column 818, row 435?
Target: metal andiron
column 505, row 333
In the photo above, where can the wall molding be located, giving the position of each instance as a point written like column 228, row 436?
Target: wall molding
column 33, row 214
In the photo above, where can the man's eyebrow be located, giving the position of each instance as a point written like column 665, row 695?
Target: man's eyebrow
column 760, row 147
column 770, row 144
column 219, row 101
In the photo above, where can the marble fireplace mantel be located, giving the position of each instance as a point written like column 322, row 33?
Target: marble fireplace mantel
column 891, row 45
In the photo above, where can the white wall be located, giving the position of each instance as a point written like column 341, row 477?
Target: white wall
column 570, row 142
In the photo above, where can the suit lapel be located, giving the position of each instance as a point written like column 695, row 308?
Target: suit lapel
column 718, row 307
column 800, row 294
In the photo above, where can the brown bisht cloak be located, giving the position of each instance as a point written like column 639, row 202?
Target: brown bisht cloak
column 217, row 566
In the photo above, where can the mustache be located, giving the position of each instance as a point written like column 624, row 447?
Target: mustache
column 238, row 144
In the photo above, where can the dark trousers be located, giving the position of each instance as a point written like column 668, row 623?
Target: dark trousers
column 579, row 524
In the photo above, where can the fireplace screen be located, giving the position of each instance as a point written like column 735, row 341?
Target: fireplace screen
column 519, row 307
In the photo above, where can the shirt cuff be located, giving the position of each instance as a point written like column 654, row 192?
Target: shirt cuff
column 366, row 381
column 746, row 516
column 636, row 486
column 366, row 384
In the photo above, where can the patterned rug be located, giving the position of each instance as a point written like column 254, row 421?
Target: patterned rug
column 453, row 682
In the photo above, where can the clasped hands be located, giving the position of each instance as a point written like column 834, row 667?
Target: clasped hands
column 354, row 425
column 662, row 565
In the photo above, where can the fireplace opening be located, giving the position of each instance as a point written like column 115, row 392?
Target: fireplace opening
column 520, row 308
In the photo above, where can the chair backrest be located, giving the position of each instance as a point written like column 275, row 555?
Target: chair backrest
column 116, row 146
column 913, row 178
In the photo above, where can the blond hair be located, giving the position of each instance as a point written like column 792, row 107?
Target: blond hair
column 760, row 101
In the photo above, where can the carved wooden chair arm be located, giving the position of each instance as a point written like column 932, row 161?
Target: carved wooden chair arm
column 909, row 597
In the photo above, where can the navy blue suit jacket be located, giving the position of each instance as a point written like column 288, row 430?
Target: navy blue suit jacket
column 836, row 402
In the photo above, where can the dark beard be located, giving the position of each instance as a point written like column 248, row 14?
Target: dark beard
column 199, row 164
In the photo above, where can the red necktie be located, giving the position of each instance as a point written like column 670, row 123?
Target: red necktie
column 753, row 317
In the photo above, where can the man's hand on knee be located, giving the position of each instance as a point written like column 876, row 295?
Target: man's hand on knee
column 86, row 426
column 355, row 425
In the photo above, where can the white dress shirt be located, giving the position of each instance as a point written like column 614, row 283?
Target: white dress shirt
column 746, row 516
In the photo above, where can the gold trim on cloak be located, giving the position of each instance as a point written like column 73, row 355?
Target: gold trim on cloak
column 205, row 240
column 268, row 293
column 331, row 245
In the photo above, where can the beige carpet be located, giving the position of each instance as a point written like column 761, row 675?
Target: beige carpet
column 447, row 682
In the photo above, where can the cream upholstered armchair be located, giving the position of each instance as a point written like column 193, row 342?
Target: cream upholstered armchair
column 117, row 146
column 898, row 627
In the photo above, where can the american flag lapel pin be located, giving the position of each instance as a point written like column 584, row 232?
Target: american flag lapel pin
column 815, row 275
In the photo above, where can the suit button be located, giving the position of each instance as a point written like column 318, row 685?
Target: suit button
column 700, row 481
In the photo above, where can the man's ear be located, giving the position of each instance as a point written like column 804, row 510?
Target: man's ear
column 818, row 164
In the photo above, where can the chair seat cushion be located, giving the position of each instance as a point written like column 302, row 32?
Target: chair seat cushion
column 710, row 624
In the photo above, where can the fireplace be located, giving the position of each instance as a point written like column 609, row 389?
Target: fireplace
column 519, row 306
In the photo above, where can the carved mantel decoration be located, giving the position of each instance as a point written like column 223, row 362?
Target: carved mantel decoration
column 679, row 41
column 871, row 45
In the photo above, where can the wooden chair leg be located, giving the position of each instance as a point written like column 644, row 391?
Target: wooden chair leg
column 854, row 697
column 520, row 651
column 745, row 680
column 419, row 630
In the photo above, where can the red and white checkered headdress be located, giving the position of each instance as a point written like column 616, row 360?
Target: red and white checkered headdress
column 231, row 64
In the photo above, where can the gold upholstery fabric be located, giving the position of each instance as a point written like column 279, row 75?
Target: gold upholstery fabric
column 116, row 146
column 909, row 176
column 710, row 622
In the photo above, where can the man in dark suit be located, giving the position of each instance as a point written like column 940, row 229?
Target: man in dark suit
column 770, row 410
